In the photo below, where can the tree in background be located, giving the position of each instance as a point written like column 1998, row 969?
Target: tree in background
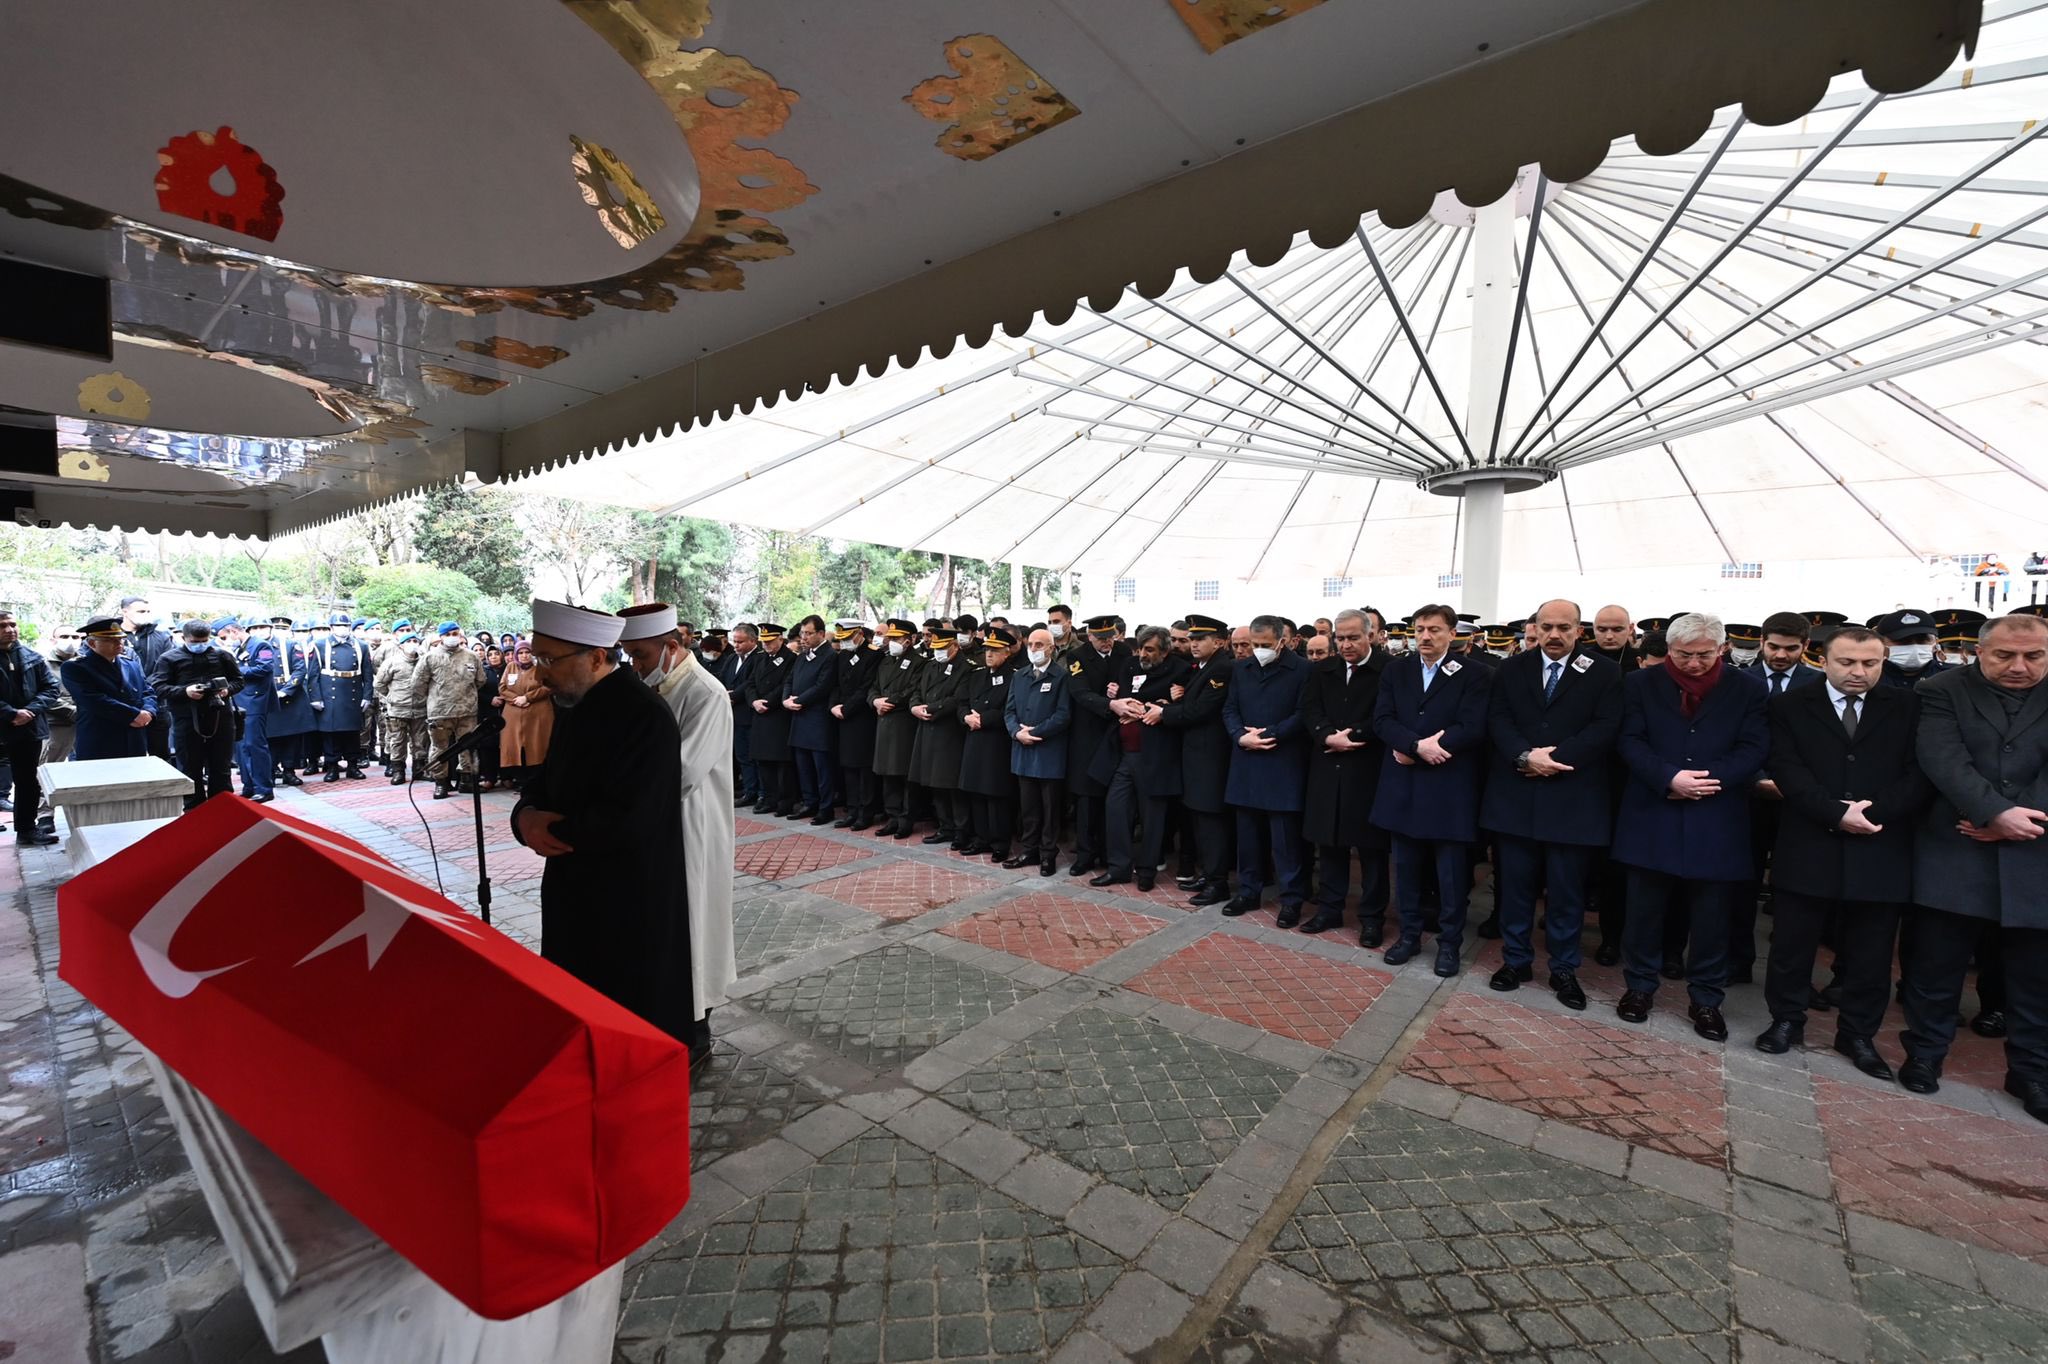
column 475, row 532
column 427, row 594
column 589, row 545
column 868, row 581
column 682, row 560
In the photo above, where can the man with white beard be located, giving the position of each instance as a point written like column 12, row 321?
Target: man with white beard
column 703, row 714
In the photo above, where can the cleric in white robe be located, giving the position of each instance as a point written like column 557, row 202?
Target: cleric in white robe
column 703, row 712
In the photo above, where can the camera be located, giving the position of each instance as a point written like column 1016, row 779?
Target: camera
column 217, row 692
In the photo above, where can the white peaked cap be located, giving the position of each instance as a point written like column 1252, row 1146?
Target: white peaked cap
column 649, row 624
column 576, row 624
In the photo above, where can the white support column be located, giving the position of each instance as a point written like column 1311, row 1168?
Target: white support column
column 1485, row 514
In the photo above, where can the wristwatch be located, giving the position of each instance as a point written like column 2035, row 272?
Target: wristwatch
column 1522, row 760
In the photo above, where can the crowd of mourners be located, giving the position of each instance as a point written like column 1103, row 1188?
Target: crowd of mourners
column 1878, row 789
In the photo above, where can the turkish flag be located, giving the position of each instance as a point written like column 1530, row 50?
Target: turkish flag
column 507, row 1129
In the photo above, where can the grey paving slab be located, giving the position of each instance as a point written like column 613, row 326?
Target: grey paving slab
column 889, row 1007
column 887, row 1251
column 1140, row 1104
column 767, row 929
column 1502, row 1251
column 1914, row 1317
column 737, row 1100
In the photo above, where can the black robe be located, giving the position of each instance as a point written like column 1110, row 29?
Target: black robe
column 614, row 912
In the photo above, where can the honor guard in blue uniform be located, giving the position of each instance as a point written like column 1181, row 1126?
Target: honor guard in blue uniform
column 345, row 676
column 292, row 718
column 115, row 708
column 262, row 663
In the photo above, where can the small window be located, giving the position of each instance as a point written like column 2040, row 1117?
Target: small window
column 1968, row 564
column 1208, row 589
column 1336, row 587
column 1450, row 580
column 1743, row 570
column 1126, row 589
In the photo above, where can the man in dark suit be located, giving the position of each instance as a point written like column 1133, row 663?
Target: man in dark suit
column 854, row 736
column 1262, row 712
column 1694, row 733
column 1981, row 853
column 115, row 707
column 738, row 678
column 1781, row 659
column 1205, row 749
column 770, row 742
column 1780, row 663
column 1343, row 776
column 1037, row 714
column 1553, row 718
column 28, row 693
column 1431, row 715
column 1843, row 757
column 1139, row 762
column 1090, row 670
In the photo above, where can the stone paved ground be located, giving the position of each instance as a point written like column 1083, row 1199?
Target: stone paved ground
column 961, row 1113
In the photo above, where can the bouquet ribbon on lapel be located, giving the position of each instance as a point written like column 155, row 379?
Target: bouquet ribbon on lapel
column 505, row 1128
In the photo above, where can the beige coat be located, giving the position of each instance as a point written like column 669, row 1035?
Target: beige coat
column 524, row 740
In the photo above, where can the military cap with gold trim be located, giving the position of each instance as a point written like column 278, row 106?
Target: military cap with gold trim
column 1957, row 623
column 2036, row 609
column 941, row 633
column 897, row 628
column 1206, row 625
column 1654, row 625
column 1100, row 625
column 1500, row 637
column 103, row 627
column 767, row 631
column 1821, row 620
column 1746, row 636
column 846, row 627
column 999, row 637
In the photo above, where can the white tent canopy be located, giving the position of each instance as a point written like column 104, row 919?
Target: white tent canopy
column 1828, row 333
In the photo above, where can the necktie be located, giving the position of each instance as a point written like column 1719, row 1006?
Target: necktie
column 1849, row 716
column 1550, row 681
column 1777, row 684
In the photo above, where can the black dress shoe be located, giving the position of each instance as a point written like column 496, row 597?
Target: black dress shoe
column 1322, row 921
column 357, row 774
column 1990, row 1023
column 860, row 825
column 824, row 817
column 2032, row 1094
column 1864, row 1056
column 765, row 807
column 1489, row 927
column 1510, row 977
column 1920, row 1075
column 973, row 848
column 843, row 822
column 904, row 828
column 292, row 779
column 263, row 799
column 1190, row 883
column 1240, row 904
column 331, row 776
column 1780, row 1037
column 1607, row 955
column 1022, row 859
column 1289, row 916
column 1403, row 950
column 1634, row 1007
column 1109, row 878
column 36, row 838
column 1371, row 935
column 398, row 780
column 1708, row 1023
column 1213, row 894
column 1048, row 867
column 1565, row 985
column 1145, row 880
column 1082, row 866
column 1674, row 968
column 441, row 790
column 801, row 812
column 1447, row 963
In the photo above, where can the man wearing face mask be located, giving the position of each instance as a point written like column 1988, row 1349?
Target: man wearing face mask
column 1205, row 749
column 986, row 783
column 936, row 748
column 196, row 682
column 1268, row 769
column 770, row 744
column 1090, row 672
column 259, row 666
column 148, row 642
column 347, row 679
column 807, row 698
column 444, row 690
column 1036, row 715
column 854, row 724
column 405, row 725
column 1745, row 645
column 1909, row 638
column 655, row 644
column 1139, row 761
column 892, row 691
column 1059, row 625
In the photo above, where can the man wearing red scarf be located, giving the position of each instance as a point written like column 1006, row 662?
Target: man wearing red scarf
column 1694, row 734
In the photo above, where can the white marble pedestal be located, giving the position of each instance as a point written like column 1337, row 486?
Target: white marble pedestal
column 95, row 843
column 115, row 790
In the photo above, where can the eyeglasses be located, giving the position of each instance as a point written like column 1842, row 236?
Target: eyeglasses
column 550, row 660
column 1696, row 655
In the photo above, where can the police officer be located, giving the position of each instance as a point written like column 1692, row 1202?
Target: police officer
column 1090, row 670
column 1139, row 761
column 195, row 683
column 807, row 701
column 986, row 783
column 345, row 678
column 940, row 738
column 1911, row 652
column 115, row 707
column 293, row 723
column 891, row 695
column 855, row 722
column 771, row 725
column 1205, row 748
column 261, row 664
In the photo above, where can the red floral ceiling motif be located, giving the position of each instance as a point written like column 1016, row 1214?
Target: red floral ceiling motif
column 185, row 186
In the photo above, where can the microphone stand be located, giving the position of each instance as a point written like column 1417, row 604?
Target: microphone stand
column 469, row 743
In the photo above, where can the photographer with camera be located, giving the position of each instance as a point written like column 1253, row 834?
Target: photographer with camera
column 196, row 681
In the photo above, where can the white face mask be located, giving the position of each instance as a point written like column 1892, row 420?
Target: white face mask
column 1037, row 657
column 895, row 648
column 411, row 650
column 1953, row 656
column 1742, row 658
column 1056, row 630
column 451, row 641
column 1265, row 656
column 847, row 646
column 340, row 632
column 1911, row 657
column 660, row 671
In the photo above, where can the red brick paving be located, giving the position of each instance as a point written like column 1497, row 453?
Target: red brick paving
column 902, row 890
column 1965, row 1176
column 1276, row 988
column 1601, row 983
column 1604, row 1077
column 775, row 858
column 743, row 827
column 1054, row 930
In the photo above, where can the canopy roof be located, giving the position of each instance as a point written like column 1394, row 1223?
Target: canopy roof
column 1821, row 341
column 647, row 212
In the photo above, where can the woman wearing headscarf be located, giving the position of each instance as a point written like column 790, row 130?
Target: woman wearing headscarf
column 523, row 700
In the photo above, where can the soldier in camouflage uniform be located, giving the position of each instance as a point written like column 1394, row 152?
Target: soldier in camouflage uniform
column 444, row 686
column 405, row 725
